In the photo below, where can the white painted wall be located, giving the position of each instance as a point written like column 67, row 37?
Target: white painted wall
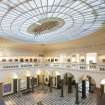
column 10, row 52
column 91, row 57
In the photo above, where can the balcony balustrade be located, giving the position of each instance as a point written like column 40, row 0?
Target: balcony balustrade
column 71, row 66
column 77, row 66
column 12, row 66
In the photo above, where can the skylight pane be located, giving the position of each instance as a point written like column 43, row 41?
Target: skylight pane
column 16, row 17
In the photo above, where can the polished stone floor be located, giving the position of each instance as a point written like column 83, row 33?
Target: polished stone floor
column 48, row 98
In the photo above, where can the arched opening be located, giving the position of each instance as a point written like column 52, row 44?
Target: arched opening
column 66, row 76
column 89, row 82
column 56, row 78
column 69, row 82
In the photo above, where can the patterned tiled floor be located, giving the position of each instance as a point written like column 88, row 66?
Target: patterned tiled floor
column 47, row 98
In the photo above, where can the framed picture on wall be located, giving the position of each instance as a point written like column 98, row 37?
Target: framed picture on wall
column 7, row 88
column 35, row 59
column 21, row 60
column 10, row 60
column 48, row 60
column 16, row 60
column 103, row 60
column 82, row 60
column 56, row 60
column 26, row 60
column 30, row 59
column 68, row 60
column 3, row 60
column 52, row 59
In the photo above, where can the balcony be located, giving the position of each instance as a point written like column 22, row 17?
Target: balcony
column 13, row 66
column 70, row 66
column 77, row 66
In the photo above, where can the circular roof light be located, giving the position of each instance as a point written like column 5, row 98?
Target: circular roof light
column 51, row 21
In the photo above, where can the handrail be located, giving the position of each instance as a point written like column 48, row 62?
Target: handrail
column 6, row 66
column 73, row 66
column 77, row 66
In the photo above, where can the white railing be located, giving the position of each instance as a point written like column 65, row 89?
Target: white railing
column 76, row 66
column 72, row 66
column 6, row 66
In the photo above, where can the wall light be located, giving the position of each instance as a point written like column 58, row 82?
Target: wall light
column 38, row 72
column 28, row 74
column 103, row 82
column 57, row 73
column 15, row 76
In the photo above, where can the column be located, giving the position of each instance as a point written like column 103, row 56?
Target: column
column 1, row 90
column 103, row 99
column 58, row 82
column 1, row 94
column 69, row 84
column 32, row 83
column 19, row 88
column 50, row 83
column 43, row 81
column 77, row 95
column 28, row 82
column 102, row 94
column 15, row 86
column 90, row 91
column 98, row 96
column 38, row 80
column 102, row 89
column 66, row 79
column 62, row 92
column 83, row 89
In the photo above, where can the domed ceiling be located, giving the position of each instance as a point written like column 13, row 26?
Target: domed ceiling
column 50, row 21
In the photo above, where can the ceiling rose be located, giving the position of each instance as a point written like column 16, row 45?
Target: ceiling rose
column 50, row 21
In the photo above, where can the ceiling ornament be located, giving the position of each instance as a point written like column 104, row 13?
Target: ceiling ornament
column 50, row 21
column 45, row 26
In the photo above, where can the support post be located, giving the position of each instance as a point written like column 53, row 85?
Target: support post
column 50, row 83
column 62, row 92
column 58, row 82
column 102, row 89
column 77, row 95
column 98, row 96
column 15, row 85
column 83, row 89
column 1, row 91
column 28, row 82
column 90, row 90
column 19, row 88
column 69, row 84
column 38, row 80
column 32, row 84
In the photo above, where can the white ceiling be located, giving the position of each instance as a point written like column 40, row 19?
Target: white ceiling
column 81, row 17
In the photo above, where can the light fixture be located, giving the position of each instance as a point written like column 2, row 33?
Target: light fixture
column 38, row 72
column 57, row 73
column 28, row 73
column 103, row 82
column 15, row 76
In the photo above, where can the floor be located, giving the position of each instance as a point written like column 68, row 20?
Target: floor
column 48, row 98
